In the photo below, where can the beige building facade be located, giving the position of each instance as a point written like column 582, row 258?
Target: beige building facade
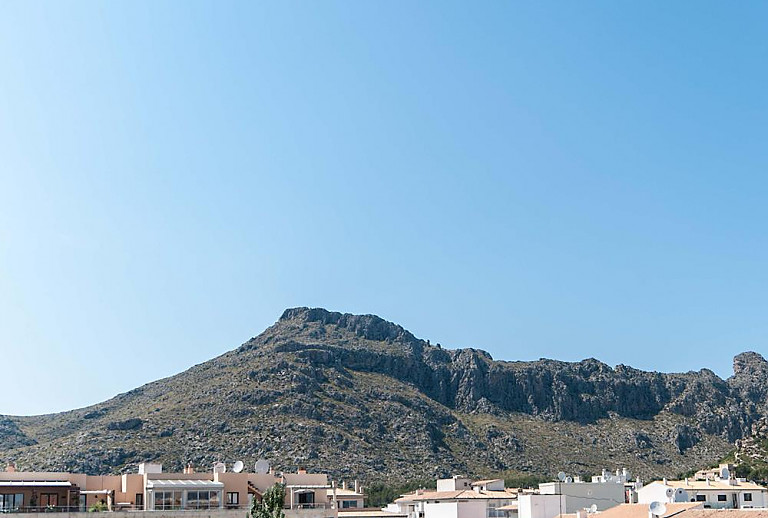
column 151, row 489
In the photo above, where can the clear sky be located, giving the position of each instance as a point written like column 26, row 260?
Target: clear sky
column 537, row 179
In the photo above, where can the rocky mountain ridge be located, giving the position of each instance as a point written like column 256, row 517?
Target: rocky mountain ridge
column 356, row 395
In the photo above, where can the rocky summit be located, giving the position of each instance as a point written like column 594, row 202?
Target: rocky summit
column 357, row 396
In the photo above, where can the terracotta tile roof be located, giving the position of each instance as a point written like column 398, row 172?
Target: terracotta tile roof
column 727, row 513
column 641, row 510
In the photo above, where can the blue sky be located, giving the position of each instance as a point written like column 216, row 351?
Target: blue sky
column 542, row 179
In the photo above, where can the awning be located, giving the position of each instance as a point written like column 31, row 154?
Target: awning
column 183, row 484
column 35, row 483
column 97, row 492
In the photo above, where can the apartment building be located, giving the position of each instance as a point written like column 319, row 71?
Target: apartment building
column 152, row 489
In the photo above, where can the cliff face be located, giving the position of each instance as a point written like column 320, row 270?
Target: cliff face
column 356, row 395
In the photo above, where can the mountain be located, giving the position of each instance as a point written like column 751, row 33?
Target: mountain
column 357, row 396
column 751, row 453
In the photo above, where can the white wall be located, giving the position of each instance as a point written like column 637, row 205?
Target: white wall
column 466, row 509
column 453, row 484
column 540, row 506
column 580, row 495
column 653, row 492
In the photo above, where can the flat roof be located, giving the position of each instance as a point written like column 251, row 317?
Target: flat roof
column 369, row 513
column 180, row 483
column 641, row 510
column 347, row 492
column 35, row 483
column 461, row 494
column 714, row 485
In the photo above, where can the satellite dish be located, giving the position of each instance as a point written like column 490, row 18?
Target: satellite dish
column 681, row 495
column 568, row 480
column 593, row 508
column 725, row 473
column 561, row 476
column 262, row 466
column 219, row 467
column 238, row 467
column 657, row 508
column 670, row 491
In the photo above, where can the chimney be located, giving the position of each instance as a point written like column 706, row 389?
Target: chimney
column 344, row 485
column 686, row 481
column 189, row 469
column 302, row 471
column 356, row 486
column 10, row 468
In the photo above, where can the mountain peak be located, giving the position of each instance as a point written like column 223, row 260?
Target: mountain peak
column 371, row 327
column 748, row 363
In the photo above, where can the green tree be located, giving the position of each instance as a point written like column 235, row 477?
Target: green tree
column 271, row 503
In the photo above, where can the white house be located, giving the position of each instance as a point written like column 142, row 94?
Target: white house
column 459, row 497
column 581, row 495
column 731, row 493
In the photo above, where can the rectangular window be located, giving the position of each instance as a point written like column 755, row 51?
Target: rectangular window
column 701, row 498
column 192, row 501
column 722, row 498
column 166, row 500
column 346, row 504
column 140, row 501
column 49, row 500
column 306, row 499
column 233, row 498
column 11, row 502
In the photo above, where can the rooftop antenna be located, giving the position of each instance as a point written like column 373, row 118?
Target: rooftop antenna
column 568, row 480
column 657, row 509
column 262, row 466
column 561, row 476
column 219, row 467
column 725, row 473
column 670, row 492
column 593, row 508
column 238, row 467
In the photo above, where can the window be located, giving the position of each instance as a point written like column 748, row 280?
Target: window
column 747, row 497
column 701, row 498
column 167, row 500
column 306, row 499
column 12, row 501
column 140, row 500
column 722, row 498
column 202, row 499
column 49, row 500
column 233, row 499
column 493, row 511
column 346, row 504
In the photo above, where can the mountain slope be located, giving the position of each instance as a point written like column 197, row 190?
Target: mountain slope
column 355, row 395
